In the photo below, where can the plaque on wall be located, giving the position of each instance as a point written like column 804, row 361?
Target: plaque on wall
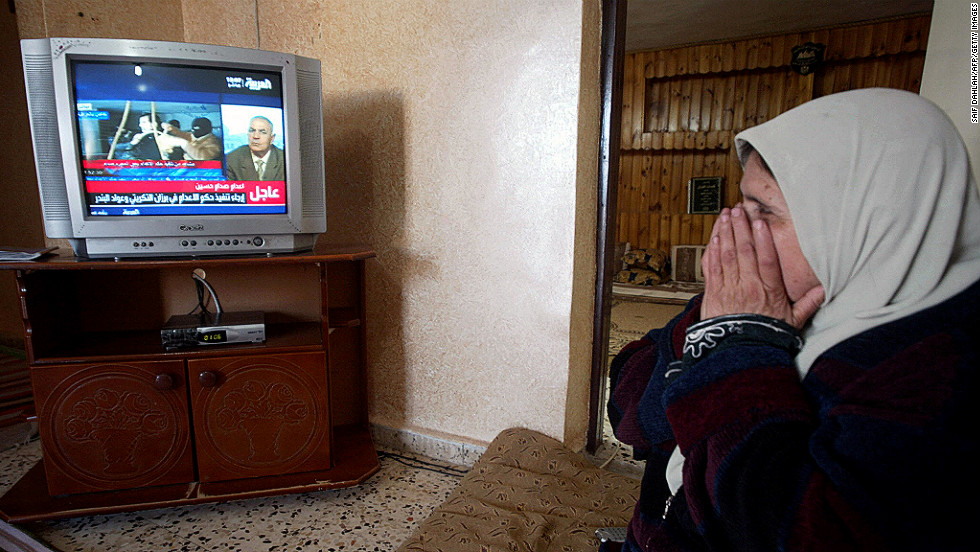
column 807, row 57
column 704, row 195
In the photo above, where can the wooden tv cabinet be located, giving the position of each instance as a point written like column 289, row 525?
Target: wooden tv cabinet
column 126, row 424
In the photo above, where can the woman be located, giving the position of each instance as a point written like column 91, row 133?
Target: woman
column 816, row 396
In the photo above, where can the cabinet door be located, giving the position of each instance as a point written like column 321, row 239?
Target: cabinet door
column 260, row 415
column 113, row 426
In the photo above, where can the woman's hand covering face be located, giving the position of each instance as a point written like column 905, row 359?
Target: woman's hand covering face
column 753, row 263
column 743, row 274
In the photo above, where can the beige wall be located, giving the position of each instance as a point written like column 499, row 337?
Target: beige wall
column 460, row 145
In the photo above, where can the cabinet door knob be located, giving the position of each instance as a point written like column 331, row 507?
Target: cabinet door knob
column 208, row 379
column 163, row 382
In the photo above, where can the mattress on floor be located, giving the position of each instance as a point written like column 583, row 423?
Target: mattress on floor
column 527, row 492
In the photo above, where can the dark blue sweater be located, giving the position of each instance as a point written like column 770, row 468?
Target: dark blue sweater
column 875, row 450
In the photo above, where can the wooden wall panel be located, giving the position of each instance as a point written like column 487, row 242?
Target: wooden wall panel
column 683, row 106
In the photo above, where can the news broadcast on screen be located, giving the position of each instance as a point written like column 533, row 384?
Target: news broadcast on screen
column 160, row 139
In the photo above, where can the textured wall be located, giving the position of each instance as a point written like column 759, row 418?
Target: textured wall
column 453, row 137
column 451, row 142
column 584, row 274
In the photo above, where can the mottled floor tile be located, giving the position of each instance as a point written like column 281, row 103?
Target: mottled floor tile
column 16, row 461
column 377, row 515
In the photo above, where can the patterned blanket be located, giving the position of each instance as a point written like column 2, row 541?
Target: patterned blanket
column 527, row 492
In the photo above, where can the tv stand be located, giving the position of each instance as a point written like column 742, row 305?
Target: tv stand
column 127, row 425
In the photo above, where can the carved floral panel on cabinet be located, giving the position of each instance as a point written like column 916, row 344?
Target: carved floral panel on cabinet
column 260, row 415
column 113, row 426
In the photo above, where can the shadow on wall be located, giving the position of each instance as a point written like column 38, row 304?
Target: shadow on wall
column 365, row 158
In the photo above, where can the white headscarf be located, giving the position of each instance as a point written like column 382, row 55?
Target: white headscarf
column 884, row 203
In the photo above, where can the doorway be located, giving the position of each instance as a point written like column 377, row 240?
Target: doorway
column 749, row 81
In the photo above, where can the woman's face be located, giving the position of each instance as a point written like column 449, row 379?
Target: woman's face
column 763, row 200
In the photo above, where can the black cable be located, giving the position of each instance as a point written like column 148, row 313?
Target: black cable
column 423, row 465
column 202, row 301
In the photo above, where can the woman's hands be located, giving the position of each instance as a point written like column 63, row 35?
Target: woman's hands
column 743, row 275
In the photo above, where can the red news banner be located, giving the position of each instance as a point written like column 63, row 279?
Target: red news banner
column 145, row 178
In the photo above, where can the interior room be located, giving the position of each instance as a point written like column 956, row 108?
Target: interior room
column 681, row 108
column 461, row 146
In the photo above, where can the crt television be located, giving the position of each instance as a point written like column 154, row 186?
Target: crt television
column 148, row 148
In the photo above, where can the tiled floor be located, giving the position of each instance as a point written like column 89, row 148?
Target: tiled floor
column 378, row 515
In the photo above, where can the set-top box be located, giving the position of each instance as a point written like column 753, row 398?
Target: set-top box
column 191, row 330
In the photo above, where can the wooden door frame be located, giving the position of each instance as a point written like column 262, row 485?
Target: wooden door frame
column 613, row 53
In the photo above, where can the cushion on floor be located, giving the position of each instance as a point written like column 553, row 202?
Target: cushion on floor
column 527, row 492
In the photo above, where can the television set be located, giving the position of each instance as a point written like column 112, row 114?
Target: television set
column 150, row 149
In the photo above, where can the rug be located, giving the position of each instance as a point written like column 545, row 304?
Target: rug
column 630, row 320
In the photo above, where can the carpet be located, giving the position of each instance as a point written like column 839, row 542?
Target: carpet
column 630, row 320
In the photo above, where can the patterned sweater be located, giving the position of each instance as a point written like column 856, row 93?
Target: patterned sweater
column 874, row 450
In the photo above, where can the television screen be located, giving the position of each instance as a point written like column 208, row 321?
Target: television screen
column 166, row 149
column 161, row 139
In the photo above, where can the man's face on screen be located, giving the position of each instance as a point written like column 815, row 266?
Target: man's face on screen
column 260, row 136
